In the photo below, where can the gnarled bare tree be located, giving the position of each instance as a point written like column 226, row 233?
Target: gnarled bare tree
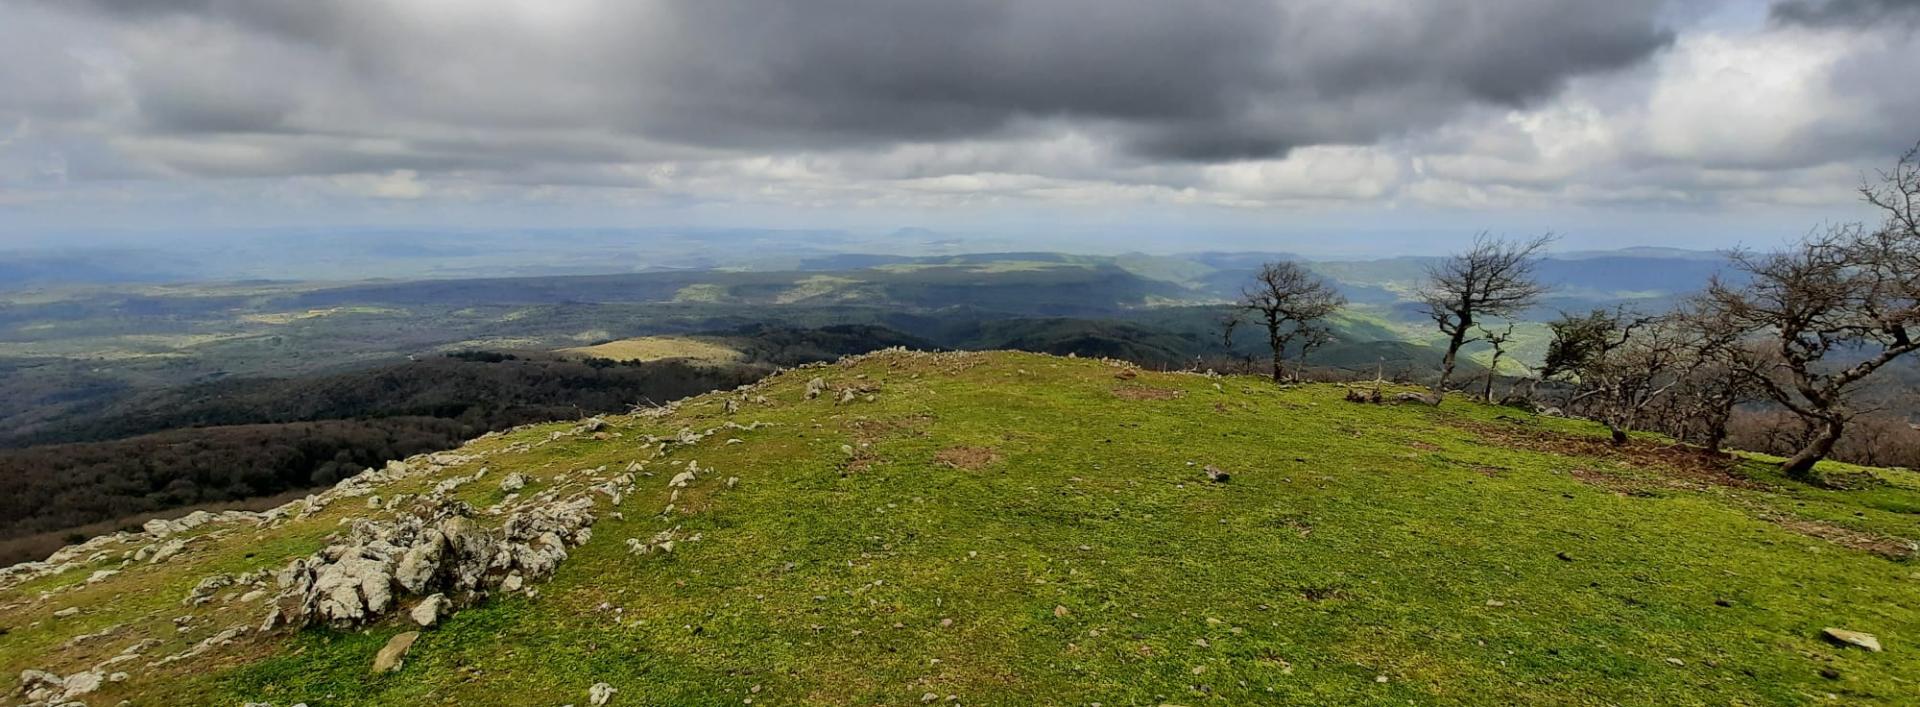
column 1635, row 364
column 1712, row 384
column 1493, row 279
column 1833, row 308
column 1292, row 304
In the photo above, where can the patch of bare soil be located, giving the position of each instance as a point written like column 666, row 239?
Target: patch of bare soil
column 1886, row 546
column 1141, row 392
column 1665, row 465
column 969, row 458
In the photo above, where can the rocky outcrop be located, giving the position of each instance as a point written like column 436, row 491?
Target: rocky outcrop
column 443, row 552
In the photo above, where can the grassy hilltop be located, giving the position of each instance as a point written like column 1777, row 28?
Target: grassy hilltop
column 1006, row 528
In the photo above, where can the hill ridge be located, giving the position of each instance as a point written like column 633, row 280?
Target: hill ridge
column 1003, row 528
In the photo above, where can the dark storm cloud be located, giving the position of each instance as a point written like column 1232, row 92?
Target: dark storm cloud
column 1205, row 80
column 1202, row 80
column 1850, row 13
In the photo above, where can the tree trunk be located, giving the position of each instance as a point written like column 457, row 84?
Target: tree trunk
column 1717, row 430
column 1800, row 465
column 1279, row 347
column 1446, row 364
column 1716, row 437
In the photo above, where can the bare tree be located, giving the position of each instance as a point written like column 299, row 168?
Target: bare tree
column 1498, row 340
column 1833, row 308
column 1634, row 366
column 1229, row 322
column 1291, row 303
column 1493, row 279
column 1701, row 407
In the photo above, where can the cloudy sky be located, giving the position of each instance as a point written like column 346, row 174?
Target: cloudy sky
column 1347, row 123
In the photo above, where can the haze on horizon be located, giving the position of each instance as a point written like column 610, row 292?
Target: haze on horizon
column 1321, row 126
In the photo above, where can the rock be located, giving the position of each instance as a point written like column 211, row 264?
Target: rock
column 1061, row 611
column 600, row 694
column 82, row 683
column 1856, row 639
column 429, row 610
column 1421, row 398
column 815, row 387
column 354, row 588
column 40, row 685
column 512, row 583
column 418, row 566
column 166, row 550
column 514, row 482
column 1217, row 474
column 204, row 591
column 64, row 613
column 389, row 658
column 681, row 479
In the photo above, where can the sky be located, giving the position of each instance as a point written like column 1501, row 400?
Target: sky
column 1334, row 125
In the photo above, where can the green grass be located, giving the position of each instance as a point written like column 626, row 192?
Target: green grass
column 1467, row 555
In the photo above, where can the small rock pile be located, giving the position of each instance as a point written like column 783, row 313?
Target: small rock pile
column 440, row 552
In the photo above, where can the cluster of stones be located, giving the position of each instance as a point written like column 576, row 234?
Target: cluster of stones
column 443, row 553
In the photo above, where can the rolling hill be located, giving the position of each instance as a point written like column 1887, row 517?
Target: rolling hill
column 1005, row 528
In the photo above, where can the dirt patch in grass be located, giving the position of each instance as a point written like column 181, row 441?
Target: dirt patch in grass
column 969, row 458
column 1887, row 546
column 1665, row 465
column 1141, row 392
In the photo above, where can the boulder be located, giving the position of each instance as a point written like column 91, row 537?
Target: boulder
column 79, row 684
column 1421, row 398
column 1856, row 639
column 391, row 656
column 40, row 685
column 429, row 610
column 165, row 551
column 421, row 562
column 600, row 694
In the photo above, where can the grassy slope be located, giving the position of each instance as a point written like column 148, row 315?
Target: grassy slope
column 1354, row 543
